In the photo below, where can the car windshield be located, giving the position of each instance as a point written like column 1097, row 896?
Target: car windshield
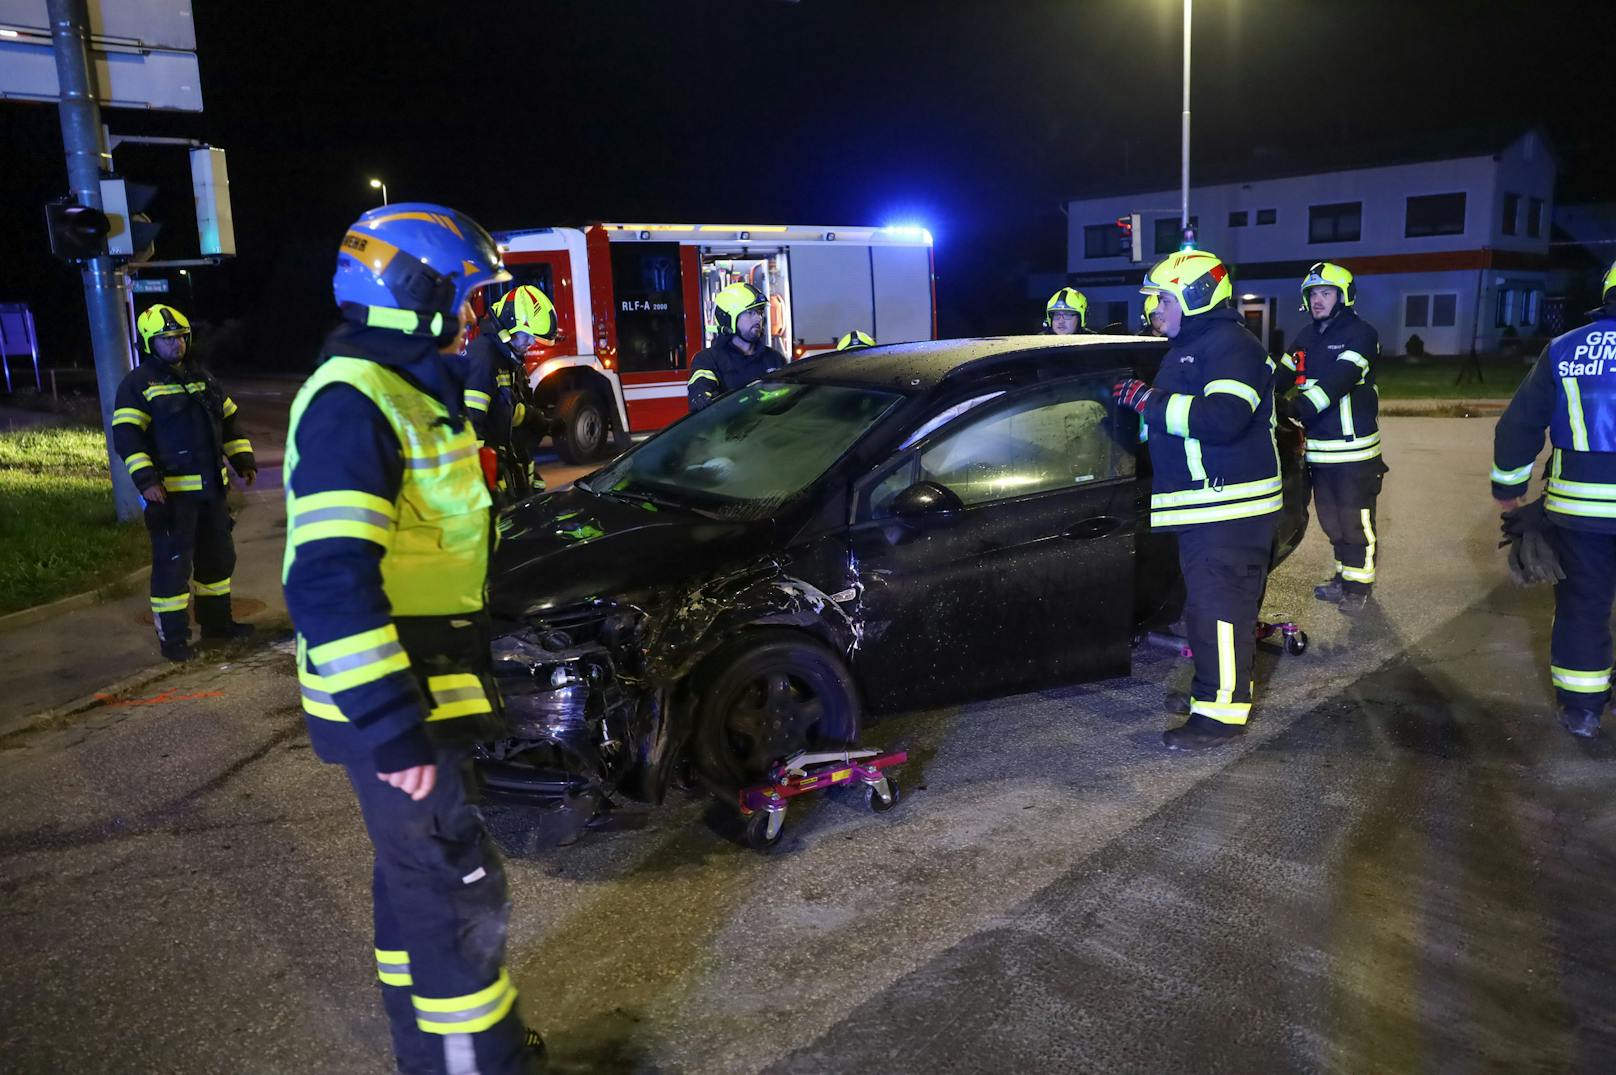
column 749, row 452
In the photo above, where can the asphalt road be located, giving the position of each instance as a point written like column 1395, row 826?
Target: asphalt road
column 1406, row 866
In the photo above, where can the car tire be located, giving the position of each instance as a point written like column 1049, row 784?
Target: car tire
column 764, row 698
column 583, row 428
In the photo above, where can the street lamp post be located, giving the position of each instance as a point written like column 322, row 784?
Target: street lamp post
column 377, row 184
column 1184, row 173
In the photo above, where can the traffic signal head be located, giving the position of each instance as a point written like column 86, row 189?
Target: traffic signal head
column 133, row 230
column 77, row 232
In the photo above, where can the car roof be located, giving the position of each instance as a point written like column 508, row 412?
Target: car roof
column 915, row 368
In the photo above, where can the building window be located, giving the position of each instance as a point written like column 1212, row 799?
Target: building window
column 1512, row 210
column 1238, row 218
column 1116, row 313
column 1338, row 223
column 1169, row 236
column 1267, row 216
column 1506, row 308
column 1102, row 241
column 1416, row 311
column 1435, row 214
column 1430, row 311
column 1531, row 308
column 1534, row 218
column 1444, row 311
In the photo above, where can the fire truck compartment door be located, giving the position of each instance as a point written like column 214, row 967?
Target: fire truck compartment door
column 831, row 292
column 902, row 293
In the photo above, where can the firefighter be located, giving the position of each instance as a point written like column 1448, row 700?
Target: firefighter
column 1150, row 322
column 738, row 355
column 498, row 397
column 1571, row 392
column 174, row 427
column 1066, row 314
column 388, row 536
column 855, row 341
column 1216, row 481
column 1333, row 359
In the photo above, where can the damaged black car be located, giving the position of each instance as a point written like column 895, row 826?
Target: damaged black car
column 892, row 529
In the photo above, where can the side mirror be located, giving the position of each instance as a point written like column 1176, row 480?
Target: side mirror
column 927, row 502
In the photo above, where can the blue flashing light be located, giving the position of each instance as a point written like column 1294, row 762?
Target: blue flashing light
column 909, row 231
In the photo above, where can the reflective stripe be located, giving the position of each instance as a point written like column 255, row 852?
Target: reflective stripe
column 183, row 483
column 1366, row 573
column 1217, row 513
column 152, row 391
column 1558, row 459
column 1335, row 450
column 343, row 514
column 1233, row 388
column 457, row 695
column 1238, row 491
column 1318, row 397
column 1583, row 490
column 1588, row 509
column 1222, row 712
column 131, row 416
column 393, row 968
column 1580, row 682
column 172, row 604
column 1177, row 421
column 237, row 446
column 137, row 461
column 229, row 406
column 403, row 320
column 213, row 589
column 1289, row 362
column 359, row 659
column 504, row 380
column 318, row 703
column 477, row 401
column 1347, row 428
column 1193, row 460
column 1344, row 457
column 1517, row 476
column 1225, row 662
column 468, row 1014
column 699, row 374
column 1355, row 358
column 453, row 455
column 1579, row 431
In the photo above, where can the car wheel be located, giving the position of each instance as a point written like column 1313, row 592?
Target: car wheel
column 583, row 433
column 768, row 697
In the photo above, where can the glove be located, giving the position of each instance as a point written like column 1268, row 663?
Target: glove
column 1287, row 411
column 1531, row 555
column 1133, row 394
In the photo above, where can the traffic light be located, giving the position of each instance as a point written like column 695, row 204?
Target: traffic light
column 1131, row 234
column 134, row 233
column 77, row 232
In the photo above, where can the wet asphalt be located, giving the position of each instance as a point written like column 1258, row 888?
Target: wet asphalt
column 1404, row 867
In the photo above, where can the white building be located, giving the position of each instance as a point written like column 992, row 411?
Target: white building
column 1448, row 240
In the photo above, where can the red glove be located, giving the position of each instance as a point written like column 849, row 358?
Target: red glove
column 1133, row 394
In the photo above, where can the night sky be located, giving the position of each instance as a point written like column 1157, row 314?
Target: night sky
column 971, row 118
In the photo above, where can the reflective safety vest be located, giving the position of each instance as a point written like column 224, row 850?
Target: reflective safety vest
column 1583, row 365
column 436, row 534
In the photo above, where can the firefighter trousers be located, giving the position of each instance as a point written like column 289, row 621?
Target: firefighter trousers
column 1344, row 495
column 1580, row 643
column 441, row 912
column 1223, row 586
column 190, row 535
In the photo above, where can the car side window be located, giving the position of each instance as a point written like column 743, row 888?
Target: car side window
column 1056, row 437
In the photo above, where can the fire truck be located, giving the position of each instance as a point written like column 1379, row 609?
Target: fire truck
column 635, row 304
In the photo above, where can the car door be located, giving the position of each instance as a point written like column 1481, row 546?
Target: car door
column 1030, row 584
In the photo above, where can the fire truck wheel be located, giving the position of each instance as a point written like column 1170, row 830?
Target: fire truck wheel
column 583, row 432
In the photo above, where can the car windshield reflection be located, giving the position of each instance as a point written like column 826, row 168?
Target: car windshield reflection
column 749, row 452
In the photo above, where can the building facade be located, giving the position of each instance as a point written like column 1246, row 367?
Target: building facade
column 1451, row 250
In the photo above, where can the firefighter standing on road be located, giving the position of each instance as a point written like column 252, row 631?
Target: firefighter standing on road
column 498, row 398
column 1333, row 359
column 1571, row 392
column 174, row 426
column 738, row 355
column 387, row 544
column 1216, row 481
column 1066, row 314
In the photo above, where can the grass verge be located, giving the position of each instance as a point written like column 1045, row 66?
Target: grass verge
column 59, row 534
column 1438, row 378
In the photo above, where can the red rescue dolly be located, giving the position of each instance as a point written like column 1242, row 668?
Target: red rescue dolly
column 764, row 805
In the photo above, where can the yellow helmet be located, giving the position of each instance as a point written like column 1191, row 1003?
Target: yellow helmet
column 1152, row 301
column 1329, row 274
column 1610, row 283
column 1068, row 300
column 526, row 309
column 160, row 320
column 855, row 341
column 730, row 303
column 1198, row 279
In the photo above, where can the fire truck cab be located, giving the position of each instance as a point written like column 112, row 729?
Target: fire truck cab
column 634, row 304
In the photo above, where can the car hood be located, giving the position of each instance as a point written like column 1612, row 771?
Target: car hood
column 569, row 547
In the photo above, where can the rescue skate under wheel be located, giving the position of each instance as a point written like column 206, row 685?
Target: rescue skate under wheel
column 1291, row 635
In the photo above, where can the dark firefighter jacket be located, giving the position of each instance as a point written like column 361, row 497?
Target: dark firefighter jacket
column 1338, row 405
column 174, row 425
column 721, row 369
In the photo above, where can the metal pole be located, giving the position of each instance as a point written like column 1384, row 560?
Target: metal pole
column 384, row 193
column 1184, row 175
column 85, row 144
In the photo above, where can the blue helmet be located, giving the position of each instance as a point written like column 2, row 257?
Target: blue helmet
column 409, row 266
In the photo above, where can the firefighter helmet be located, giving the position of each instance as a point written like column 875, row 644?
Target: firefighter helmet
column 527, row 309
column 1609, row 286
column 1151, row 302
column 1068, row 300
column 410, row 266
column 733, row 301
column 160, row 320
column 1329, row 274
column 855, row 341
column 1198, row 279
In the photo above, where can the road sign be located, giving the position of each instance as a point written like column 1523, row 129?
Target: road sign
column 142, row 53
column 155, row 286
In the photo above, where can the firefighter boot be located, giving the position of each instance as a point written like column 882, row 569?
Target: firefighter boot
column 1201, row 732
column 174, row 634
column 213, row 613
column 1329, row 591
column 1582, row 723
